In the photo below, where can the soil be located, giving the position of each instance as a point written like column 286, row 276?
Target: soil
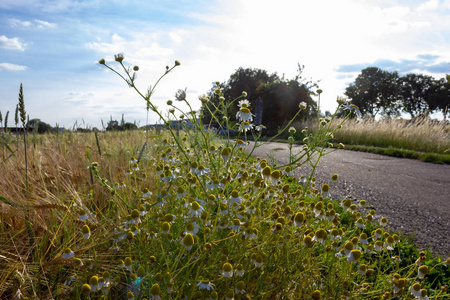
column 414, row 196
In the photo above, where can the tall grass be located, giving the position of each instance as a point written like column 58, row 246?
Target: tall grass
column 59, row 185
column 419, row 134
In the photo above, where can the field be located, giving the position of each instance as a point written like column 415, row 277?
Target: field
column 141, row 225
column 182, row 214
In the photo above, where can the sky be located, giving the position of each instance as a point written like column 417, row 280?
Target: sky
column 52, row 47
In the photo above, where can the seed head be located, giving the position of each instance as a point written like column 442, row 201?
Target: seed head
column 119, row 57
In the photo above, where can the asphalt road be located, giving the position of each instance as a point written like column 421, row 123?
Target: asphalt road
column 414, row 196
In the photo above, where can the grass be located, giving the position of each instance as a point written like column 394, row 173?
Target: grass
column 421, row 138
column 59, row 178
column 193, row 217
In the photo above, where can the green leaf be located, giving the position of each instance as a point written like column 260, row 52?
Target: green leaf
column 9, row 202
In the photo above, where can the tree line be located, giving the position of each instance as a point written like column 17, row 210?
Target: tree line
column 379, row 92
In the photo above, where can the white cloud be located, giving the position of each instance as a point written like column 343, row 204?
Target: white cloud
column 11, row 67
column 117, row 45
column 19, row 23
column 429, row 5
column 44, row 24
column 36, row 24
column 11, row 43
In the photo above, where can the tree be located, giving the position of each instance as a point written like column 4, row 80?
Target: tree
column 129, row 126
column 416, row 91
column 42, row 127
column 376, row 91
column 113, row 125
column 440, row 96
column 281, row 98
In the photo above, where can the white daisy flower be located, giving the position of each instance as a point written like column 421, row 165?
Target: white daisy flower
column 244, row 115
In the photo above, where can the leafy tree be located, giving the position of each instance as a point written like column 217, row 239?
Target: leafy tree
column 440, row 96
column 42, row 127
column 113, row 125
column 376, row 91
column 281, row 98
column 129, row 126
column 416, row 91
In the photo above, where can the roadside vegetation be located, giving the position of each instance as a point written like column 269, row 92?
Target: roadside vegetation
column 180, row 214
column 420, row 138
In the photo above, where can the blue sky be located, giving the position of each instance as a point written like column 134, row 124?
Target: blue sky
column 52, row 48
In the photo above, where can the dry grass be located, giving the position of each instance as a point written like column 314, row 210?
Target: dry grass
column 420, row 134
column 58, row 176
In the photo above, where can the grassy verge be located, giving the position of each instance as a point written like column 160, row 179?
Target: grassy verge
column 421, row 138
column 390, row 151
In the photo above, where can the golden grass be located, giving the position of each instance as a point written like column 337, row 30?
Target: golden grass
column 58, row 176
column 420, row 134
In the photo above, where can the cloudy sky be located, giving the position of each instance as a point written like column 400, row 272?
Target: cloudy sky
column 52, row 47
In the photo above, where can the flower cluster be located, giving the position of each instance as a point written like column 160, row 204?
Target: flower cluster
column 211, row 222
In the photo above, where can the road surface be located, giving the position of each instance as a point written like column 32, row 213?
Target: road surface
column 414, row 196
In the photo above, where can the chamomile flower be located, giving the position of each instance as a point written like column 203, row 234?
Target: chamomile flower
column 326, row 191
column 376, row 234
column 360, row 223
column 180, row 95
column 388, row 244
column 230, row 295
column 67, row 253
column 422, row 271
column 236, row 225
column 134, row 167
column 415, row 290
column 239, row 270
column 227, row 270
column 378, row 246
column 192, row 228
column 240, row 288
column 202, row 170
column 86, row 232
column 259, row 127
column 135, row 217
column 155, row 292
column 93, row 283
column 244, row 103
column 71, row 279
column 128, row 263
column 354, row 108
column 244, row 115
column 241, row 144
column 205, row 284
column 165, row 227
column 354, row 255
column 83, row 215
column 188, row 241
column 399, row 284
column 287, row 171
column 299, row 218
column 320, row 236
column 245, row 126
column 362, row 269
column 348, row 247
column 226, row 153
column 235, row 198
column 363, row 239
column 258, row 260
column 196, row 210
column 146, row 193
